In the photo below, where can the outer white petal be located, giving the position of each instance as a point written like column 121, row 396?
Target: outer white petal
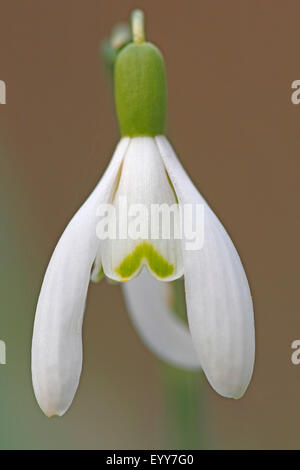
column 57, row 344
column 143, row 184
column 218, row 297
column 164, row 333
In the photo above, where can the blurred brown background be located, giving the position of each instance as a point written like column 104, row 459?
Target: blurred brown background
column 230, row 67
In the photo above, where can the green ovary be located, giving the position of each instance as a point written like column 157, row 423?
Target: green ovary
column 156, row 262
column 140, row 90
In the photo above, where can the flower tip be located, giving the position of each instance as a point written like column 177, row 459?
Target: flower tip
column 51, row 415
column 239, row 397
column 52, row 410
column 54, row 414
column 233, row 394
column 228, row 388
column 239, row 394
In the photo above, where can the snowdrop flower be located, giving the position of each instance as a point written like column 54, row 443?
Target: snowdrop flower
column 145, row 170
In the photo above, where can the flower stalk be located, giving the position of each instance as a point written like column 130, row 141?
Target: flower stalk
column 138, row 26
column 183, row 393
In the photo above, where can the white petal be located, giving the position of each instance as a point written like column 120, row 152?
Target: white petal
column 165, row 334
column 57, row 344
column 219, row 302
column 143, row 183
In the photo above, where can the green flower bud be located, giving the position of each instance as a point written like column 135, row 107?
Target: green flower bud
column 140, row 86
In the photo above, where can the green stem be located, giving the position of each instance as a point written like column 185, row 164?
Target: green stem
column 183, row 394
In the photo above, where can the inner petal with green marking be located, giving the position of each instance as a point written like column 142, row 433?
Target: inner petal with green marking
column 145, row 253
column 140, row 238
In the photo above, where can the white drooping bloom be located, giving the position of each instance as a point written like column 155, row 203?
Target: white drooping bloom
column 220, row 337
column 148, row 254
